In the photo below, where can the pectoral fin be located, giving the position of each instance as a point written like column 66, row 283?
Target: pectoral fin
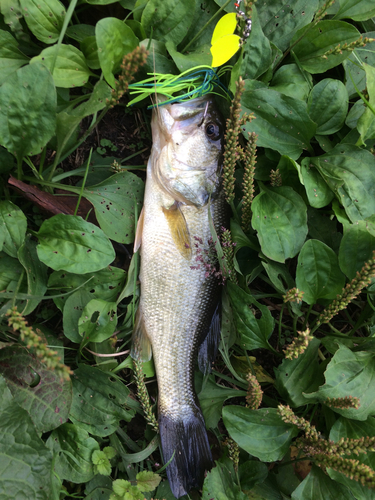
column 138, row 234
column 141, row 346
column 179, row 229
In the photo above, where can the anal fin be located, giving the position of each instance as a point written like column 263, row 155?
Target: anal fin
column 179, row 229
column 141, row 345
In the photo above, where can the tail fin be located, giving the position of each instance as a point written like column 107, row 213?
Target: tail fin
column 187, row 439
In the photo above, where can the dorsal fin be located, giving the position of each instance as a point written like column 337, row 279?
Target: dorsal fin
column 179, row 229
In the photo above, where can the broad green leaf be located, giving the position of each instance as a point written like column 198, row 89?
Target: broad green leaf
column 349, row 374
column 212, row 398
column 27, row 110
column 202, row 15
column 36, row 388
column 318, row 273
column 200, row 56
column 89, row 48
column 324, row 228
column 257, row 52
column 96, row 101
column 99, row 488
column 98, row 321
column 73, row 309
column 100, row 401
column 10, row 57
column 12, row 12
column 114, row 202
column 261, row 433
column 13, row 225
column 280, row 19
column 70, row 68
column 328, row 106
column 358, row 10
column 251, row 473
column 26, row 463
column 350, row 173
column 169, row 19
column 105, row 284
column 354, row 72
column 356, row 247
column 292, row 81
column 318, row 192
column 74, row 448
column 254, row 331
column 280, row 218
column 366, row 122
column 115, row 39
column 70, row 243
column 219, row 484
column 11, row 271
column 44, row 18
column 344, row 428
column 315, row 42
column 294, row 377
column 318, row 486
column 147, row 480
column 36, row 273
column 282, row 122
column 80, row 31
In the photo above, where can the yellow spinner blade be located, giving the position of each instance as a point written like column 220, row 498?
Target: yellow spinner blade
column 225, row 26
column 223, row 49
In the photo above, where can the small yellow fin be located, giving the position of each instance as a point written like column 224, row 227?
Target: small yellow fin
column 141, row 346
column 138, row 233
column 179, row 229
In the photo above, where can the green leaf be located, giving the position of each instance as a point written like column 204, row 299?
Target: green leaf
column 44, row 18
column 36, row 388
column 219, row 484
column 254, row 332
column 349, row 374
column 318, row 273
column 280, row 217
column 13, row 225
column 36, row 273
column 170, row 20
column 123, row 490
column 350, row 173
column 292, row 81
column 344, row 428
column 70, row 68
column 251, row 473
column 72, row 312
column 115, row 39
column 26, row 463
column 358, row 10
column 354, row 70
column 257, row 52
column 99, row 401
column 319, row 486
column 114, row 202
column 89, row 48
column 100, row 459
column 280, row 20
column 27, row 110
column 80, row 31
column 198, row 57
column 366, row 122
column 10, row 57
column 282, row 122
column 318, row 40
column 328, row 106
column 98, row 321
column 261, row 433
column 212, row 398
column 70, row 243
column 147, row 480
column 294, row 377
column 99, row 488
column 202, row 14
column 105, row 284
column 318, row 192
column 356, row 247
column 74, row 448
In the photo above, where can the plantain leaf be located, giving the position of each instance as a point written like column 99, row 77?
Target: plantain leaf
column 319, row 486
column 328, row 106
column 356, row 247
column 11, row 58
column 358, row 10
column 292, row 81
column 44, row 18
column 98, row 321
column 280, row 217
column 13, row 225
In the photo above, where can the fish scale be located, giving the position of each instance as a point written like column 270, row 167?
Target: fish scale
column 177, row 302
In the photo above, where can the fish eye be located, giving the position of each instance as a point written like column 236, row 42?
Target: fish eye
column 213, row 131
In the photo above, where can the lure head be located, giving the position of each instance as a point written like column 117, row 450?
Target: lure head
column 187, row 149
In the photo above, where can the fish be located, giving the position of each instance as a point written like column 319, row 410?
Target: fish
column 178, row 313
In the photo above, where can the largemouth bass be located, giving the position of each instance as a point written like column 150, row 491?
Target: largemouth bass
column 177, row 314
